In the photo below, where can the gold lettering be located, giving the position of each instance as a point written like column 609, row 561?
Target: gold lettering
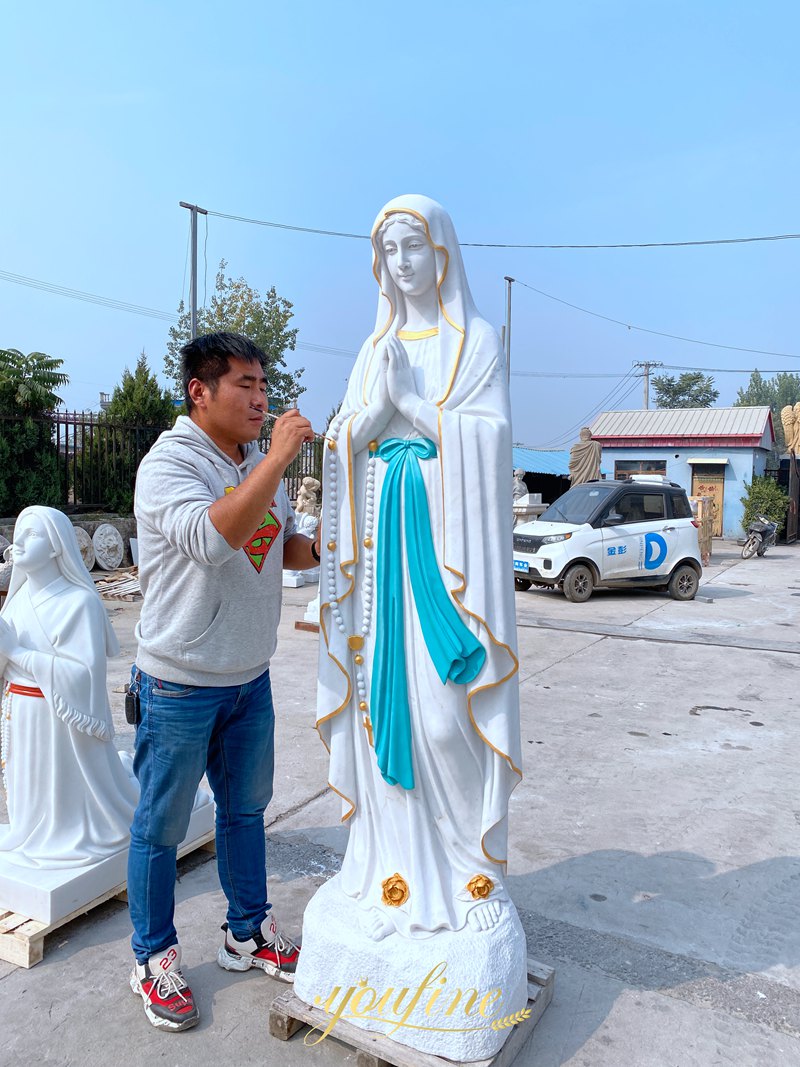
column 436, row 993
column 492, row 997
column 457, row 998
column 335, row 1017
column 397, row 1009
column 432, row 975
column 380, row 1007
column 355, row 1004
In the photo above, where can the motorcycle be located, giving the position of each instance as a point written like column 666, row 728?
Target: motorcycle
column 761, row 534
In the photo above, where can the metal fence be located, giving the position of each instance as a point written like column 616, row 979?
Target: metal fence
column 308, row 464
column 96, row 459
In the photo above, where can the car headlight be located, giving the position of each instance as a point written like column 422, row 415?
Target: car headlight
column 554, row 538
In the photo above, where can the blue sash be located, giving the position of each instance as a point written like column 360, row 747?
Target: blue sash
column 457, row 655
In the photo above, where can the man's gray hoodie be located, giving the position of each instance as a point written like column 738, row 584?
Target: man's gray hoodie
column 210, row 614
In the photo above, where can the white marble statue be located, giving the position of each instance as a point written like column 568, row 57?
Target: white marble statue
column 70, row 798
column 418, row 696
column 307, row 497
column 519, row 488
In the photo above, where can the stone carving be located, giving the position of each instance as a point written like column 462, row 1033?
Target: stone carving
column 519, row 489
column 108, row 547
column 584, row 458
column 86, row 547
column 307, row 497
column 418, row 701
column 790, row 419
column 307, row 524
column 70, row 797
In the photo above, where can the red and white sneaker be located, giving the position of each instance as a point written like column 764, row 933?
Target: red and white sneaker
column 168, row 1001
column 269, row 949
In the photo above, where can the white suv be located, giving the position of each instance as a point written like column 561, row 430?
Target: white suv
column 636, row 532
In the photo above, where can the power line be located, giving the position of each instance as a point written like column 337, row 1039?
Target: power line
column 567, row 435
column 656, row 333
column 725, row 370
column 90, row 298
column 498, row 244
column 613, row 396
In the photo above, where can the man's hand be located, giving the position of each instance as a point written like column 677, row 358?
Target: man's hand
column 237, row 515
column 289, row 431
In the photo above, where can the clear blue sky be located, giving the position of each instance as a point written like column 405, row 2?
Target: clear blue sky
column 570, row 122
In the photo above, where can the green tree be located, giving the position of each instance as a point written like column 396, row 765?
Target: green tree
column 139, row 400
column 764, row 497
column 238, row 308
column 28, row 383
column 691, row 390
column 29, row 469
column 776, row 393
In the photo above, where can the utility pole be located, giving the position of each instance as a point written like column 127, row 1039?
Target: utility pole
column 195, row 210
column 646, row 365
column 507, row 334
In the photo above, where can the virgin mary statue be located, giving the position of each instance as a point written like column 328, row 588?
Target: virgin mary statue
column 418, row 698
column 70, row 798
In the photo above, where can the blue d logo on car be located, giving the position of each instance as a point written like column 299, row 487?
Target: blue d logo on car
column 655, row 551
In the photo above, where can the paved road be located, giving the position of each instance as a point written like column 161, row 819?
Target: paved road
column 654, row 853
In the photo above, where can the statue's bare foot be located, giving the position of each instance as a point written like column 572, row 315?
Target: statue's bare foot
column 485, row 916
column 375, row 925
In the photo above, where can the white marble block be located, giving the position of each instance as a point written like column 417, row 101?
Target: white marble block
column 49, row 895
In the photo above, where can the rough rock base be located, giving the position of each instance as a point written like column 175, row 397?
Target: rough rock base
column 439, row 994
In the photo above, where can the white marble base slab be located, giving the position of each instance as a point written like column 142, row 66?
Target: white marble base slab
column 49, row 895
column 293, row 579
column 408, row 988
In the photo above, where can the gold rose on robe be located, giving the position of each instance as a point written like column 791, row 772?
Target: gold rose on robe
column 395, row 891
column 479, row 887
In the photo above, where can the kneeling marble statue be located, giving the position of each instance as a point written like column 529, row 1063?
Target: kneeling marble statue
column 70, row 796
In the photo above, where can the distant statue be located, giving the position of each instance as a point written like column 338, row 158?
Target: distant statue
column 584, row 458
column 307, row 497
column 520, row 489
column 790, row 419
column 70, row 798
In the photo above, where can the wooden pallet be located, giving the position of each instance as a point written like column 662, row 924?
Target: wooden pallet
column 22, row 939
column 120, row 585
column 288, row 1014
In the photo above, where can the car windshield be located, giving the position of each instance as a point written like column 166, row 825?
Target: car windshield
column 578, row 504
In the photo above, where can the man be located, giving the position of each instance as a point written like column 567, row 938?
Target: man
column 215, row 531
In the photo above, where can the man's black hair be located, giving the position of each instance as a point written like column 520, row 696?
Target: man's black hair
column 207, row 359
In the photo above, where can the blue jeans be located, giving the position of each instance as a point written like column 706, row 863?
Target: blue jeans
column 228, row 733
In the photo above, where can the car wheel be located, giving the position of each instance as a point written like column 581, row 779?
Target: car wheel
column 684, row 583
column 521, row 584
column 750, row 546
column 578, row 583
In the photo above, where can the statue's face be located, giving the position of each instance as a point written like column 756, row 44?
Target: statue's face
column 410, row 259
column 31, row 549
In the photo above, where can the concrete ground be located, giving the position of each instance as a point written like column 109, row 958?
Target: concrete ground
column 654, row 855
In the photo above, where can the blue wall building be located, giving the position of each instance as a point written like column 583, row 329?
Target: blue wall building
column 709, row 451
